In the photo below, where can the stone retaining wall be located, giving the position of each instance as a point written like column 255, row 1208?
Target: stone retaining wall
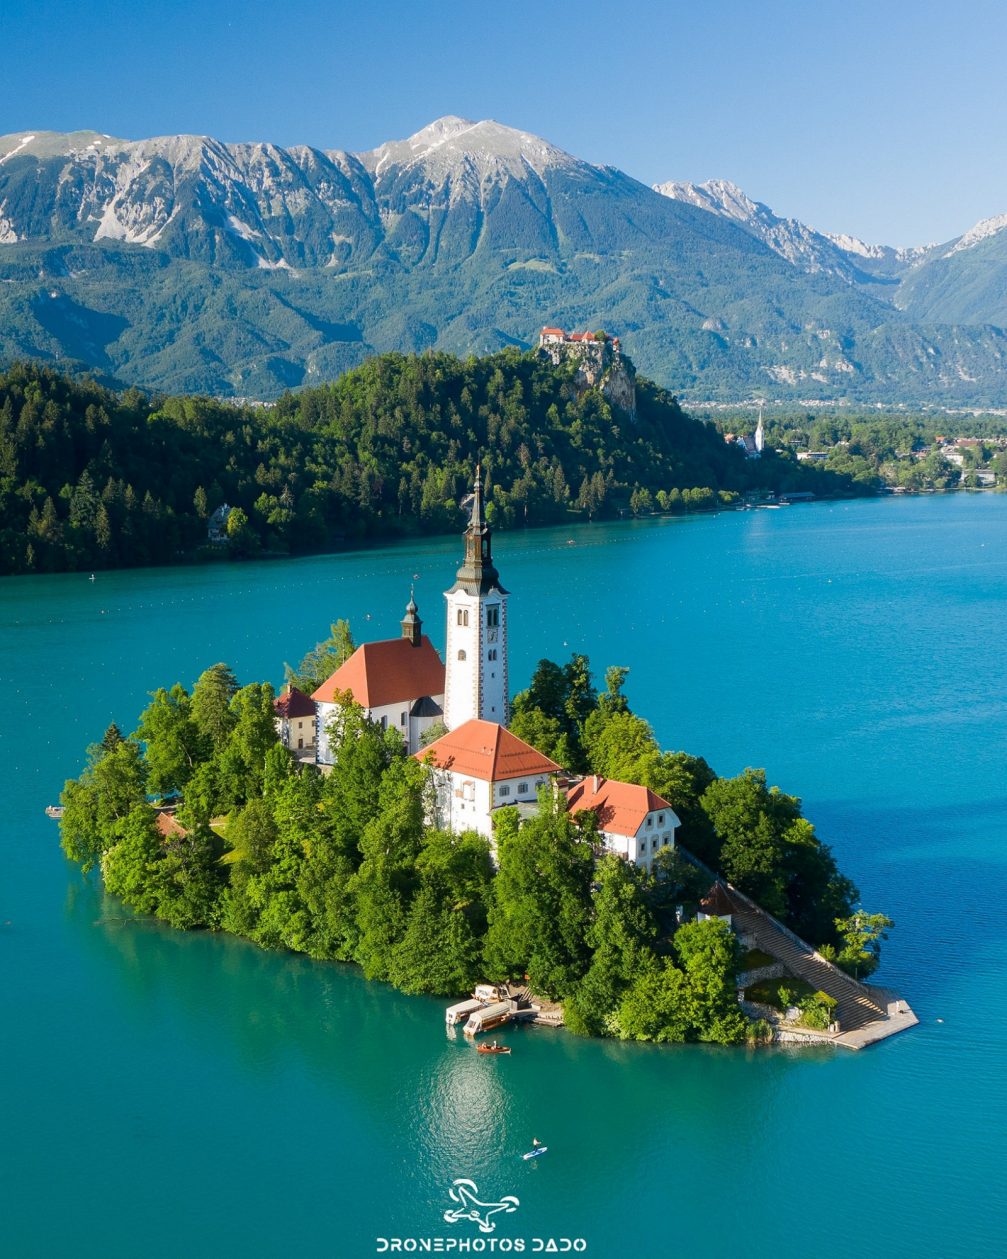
column 775, row 970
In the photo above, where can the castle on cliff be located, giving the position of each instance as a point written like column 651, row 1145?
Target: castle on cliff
column 600, row 364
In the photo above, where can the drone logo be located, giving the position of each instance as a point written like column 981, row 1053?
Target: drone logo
column 470, row 1208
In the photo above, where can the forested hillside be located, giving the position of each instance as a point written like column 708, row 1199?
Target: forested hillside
column 90, row 478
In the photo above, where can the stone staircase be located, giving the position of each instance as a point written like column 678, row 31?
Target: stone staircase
column 857, row 1005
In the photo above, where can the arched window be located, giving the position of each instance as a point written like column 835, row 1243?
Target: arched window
column 463, row 616
column 461, row 655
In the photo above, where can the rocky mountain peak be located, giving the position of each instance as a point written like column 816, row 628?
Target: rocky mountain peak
column 451, row 143
column 983, row 230
column 719, row 196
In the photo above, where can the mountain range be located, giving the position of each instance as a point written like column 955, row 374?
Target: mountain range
column 184, row 264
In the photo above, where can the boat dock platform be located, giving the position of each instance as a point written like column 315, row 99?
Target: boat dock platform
column 495, row 1005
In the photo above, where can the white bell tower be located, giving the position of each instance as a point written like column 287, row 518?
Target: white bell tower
column 476, row 652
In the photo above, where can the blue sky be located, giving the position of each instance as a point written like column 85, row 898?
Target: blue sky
column 885, row 120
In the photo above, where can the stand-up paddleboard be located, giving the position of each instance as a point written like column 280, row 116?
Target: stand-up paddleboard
column 539, row 1149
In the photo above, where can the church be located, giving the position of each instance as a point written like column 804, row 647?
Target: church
column 478, row 765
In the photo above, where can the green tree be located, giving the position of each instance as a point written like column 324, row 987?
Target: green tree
column 171, row 739
column 539, row 909
column 656, row 1006
column 323, row 659
column 132, row 867
column 708, row 952
column 861, row 935
column 193, row 879
column 545, row 733
column 211, row 704
column 749, row 820
column 441, row 951
column 111, row 786
column 387, row 879
column 241, row 537
column 620, row 936
column 241, row 760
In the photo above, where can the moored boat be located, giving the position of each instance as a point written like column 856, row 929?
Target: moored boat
column 459, row 1013
column 487, row 1018
column 493, row 1049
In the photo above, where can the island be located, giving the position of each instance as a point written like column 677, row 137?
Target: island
column 399, row 811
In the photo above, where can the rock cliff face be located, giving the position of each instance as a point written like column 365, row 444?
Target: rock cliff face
column 600, row 365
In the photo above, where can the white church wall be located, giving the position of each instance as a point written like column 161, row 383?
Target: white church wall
column 462, row 658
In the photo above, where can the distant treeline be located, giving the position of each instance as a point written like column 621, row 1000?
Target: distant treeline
column 90, row 478
column 884, row 448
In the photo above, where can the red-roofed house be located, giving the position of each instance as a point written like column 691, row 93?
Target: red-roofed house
column 398, row 682
column 295, row 719
column 478, row 767
column 633, row 821
column 168, row 827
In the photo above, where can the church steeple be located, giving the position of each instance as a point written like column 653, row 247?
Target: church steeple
column 476, row 656
column 412, row 626
column 477, row 575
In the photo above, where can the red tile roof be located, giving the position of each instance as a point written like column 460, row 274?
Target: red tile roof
column 621, row 807
column 484, row 750
column 168, row 826
column 293, row 703
column 556, row 332
column 392, row 671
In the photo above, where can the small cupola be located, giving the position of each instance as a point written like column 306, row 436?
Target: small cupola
column 412, row 626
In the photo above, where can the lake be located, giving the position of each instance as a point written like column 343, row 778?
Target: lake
column 164, row 1094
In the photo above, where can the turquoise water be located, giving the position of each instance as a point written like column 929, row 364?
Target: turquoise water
column 173, row 1095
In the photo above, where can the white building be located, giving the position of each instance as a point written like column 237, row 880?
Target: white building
column 295, row 719
column 633, row 821
column 753, row 446
column 476, row 650
column 398, row 682
column 479, row 767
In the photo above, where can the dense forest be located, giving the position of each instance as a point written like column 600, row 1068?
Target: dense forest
column 343, row 866
column 93, row 479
